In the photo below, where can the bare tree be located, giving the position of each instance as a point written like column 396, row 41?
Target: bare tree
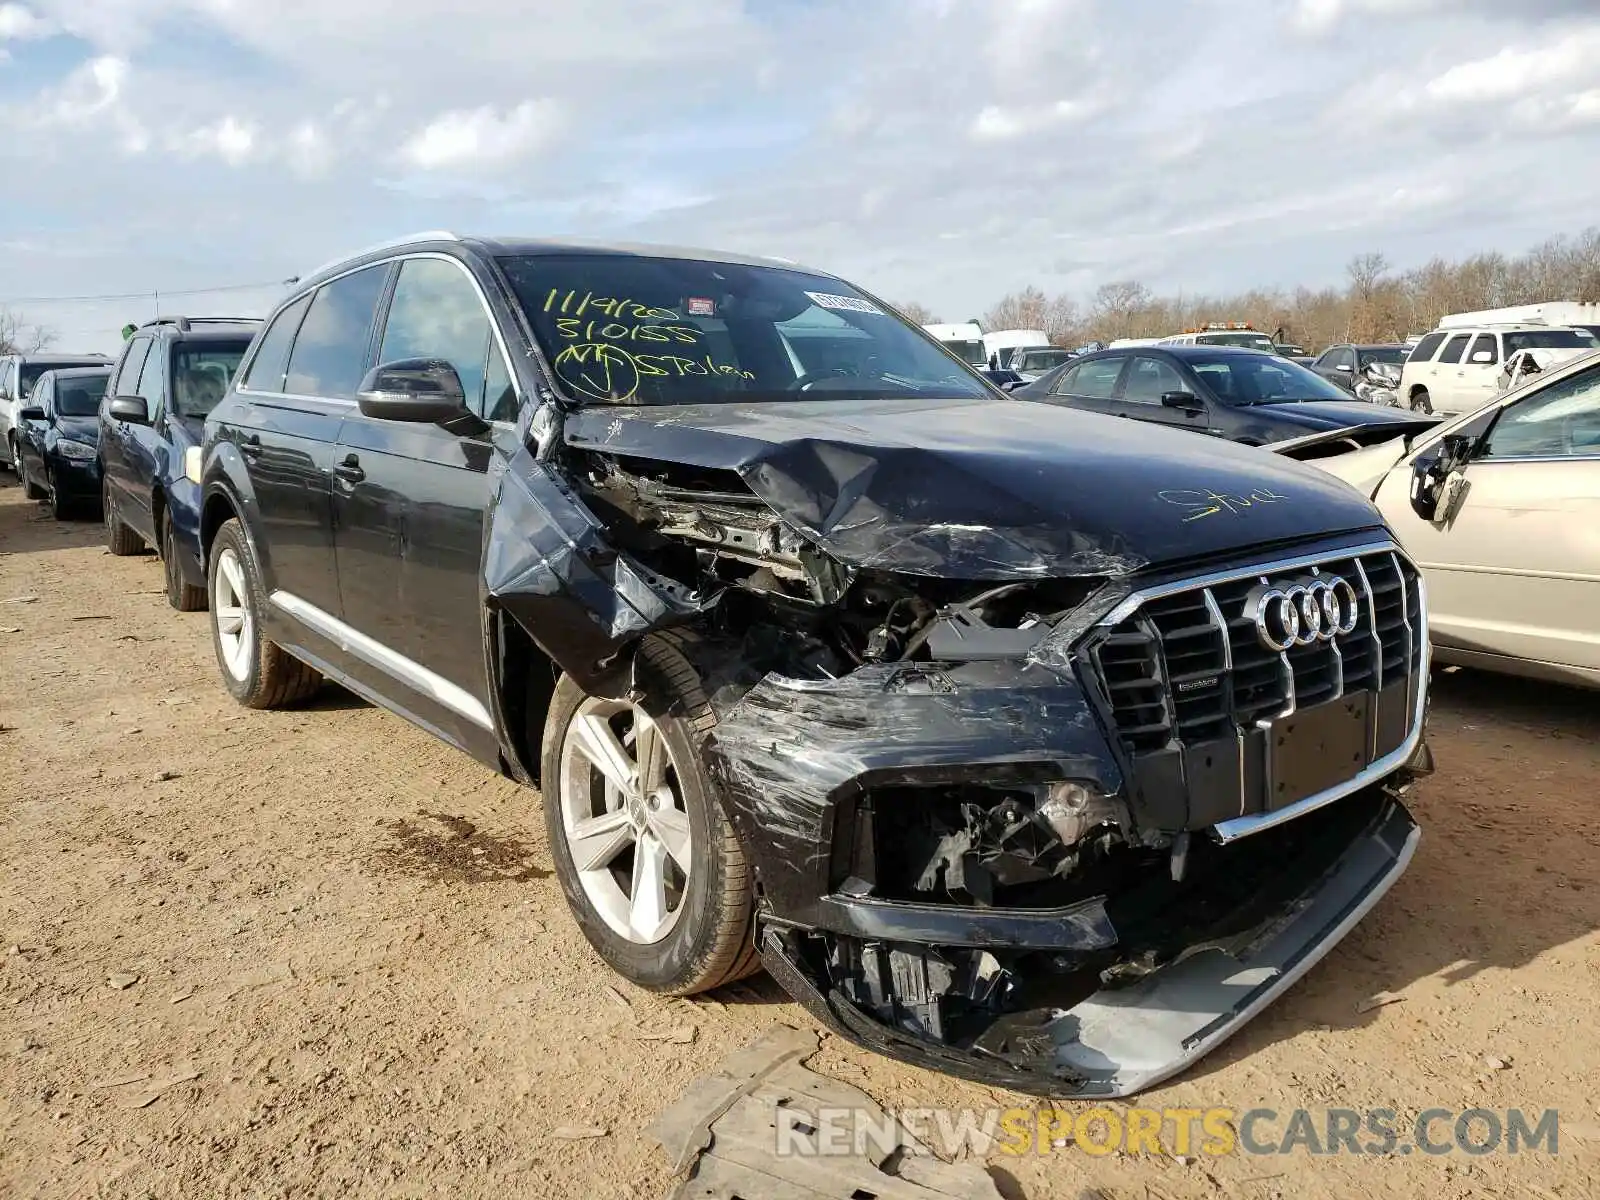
column 19, row 336
column 1117, row 306
column 917, row 314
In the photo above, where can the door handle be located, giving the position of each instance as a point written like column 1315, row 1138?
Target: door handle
column 350, row 469
column 250, row 445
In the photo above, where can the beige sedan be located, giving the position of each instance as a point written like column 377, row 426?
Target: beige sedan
column 1501, row 508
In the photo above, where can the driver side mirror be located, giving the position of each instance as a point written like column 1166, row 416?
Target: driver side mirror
column 1185, row 401
column 1430, row 474
column 1345, row 367
column 32, row 413
column 424, row 391
column 133, row 409
column 1483, row 356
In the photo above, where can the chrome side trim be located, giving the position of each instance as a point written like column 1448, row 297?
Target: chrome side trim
column 413, row 674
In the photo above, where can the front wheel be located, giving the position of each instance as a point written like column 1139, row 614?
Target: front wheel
column 1422, row 402
column 649, row 862
column 58, row 504
column 258, row 673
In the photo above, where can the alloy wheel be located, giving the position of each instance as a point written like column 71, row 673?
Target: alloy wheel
column 234, row 622
column 623, row 816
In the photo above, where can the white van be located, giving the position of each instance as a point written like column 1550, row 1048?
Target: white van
column 1002, row 344
column 1457, row 368
column 965, row 341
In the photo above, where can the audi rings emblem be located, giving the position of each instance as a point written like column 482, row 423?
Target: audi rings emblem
column 1303, row 612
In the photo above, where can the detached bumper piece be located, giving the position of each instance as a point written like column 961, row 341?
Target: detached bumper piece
column 1163, row 973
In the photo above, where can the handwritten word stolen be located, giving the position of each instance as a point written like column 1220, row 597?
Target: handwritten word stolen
column 1202, row 504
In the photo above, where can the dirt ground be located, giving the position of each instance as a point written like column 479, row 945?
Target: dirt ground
column 316, row 953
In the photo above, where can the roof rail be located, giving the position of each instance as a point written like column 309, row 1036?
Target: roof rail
column 183, row 324
column 427, row 235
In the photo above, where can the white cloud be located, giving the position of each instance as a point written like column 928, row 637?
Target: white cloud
column 939, row 150
column 483, row 136
column 19, row 22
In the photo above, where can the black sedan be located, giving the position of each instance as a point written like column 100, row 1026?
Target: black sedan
column 1242, row 395
column 59, row 439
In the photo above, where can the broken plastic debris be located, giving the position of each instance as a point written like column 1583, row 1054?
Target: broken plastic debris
column 1378, row 1001
column 578, row 1133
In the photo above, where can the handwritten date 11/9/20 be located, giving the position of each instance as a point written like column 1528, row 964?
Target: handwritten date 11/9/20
column 1205, row 503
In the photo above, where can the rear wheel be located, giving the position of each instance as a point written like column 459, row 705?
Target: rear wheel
column 183, row 596
column 120, row 540
column 651, row 867
column 1421, row 402
column 258, row 673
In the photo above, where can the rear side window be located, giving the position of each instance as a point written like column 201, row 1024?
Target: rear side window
column 272, row 359
column 127, row 381
column 1453, row 348
column 1425, row 348
column 330, row 351
column 1093, row 380
column 1484, row 345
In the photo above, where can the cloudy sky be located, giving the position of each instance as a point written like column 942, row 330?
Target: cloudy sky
column 945, row 151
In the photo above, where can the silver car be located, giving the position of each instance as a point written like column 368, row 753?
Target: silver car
column 1501, row 509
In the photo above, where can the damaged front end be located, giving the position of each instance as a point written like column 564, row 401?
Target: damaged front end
column 1057, row 820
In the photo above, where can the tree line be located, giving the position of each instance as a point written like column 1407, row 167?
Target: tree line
column 1376, row 303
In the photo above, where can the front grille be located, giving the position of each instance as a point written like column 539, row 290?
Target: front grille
column 1187, row 667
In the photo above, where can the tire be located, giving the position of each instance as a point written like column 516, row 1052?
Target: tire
column 120, row 540
column 1421, row 402
column 58, row 506
column 257, row 673
column 183, row 596
column 30, row 490
column 707, row 938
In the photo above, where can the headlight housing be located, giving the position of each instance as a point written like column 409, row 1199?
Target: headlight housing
column 193, row 459
column 77, row 451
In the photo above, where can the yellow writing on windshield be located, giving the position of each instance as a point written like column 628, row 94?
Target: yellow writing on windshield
column 622, row 308
column 605, row 371
column 576, row 328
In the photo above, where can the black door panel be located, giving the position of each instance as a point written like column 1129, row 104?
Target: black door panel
column 288, row 446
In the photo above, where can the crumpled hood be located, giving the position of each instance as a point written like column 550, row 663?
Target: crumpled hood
column 1316, row 415
column 987, row 489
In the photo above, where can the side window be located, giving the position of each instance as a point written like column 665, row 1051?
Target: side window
column 126, row 382
column 499, row 394
column 1094, row 380
column 267, row 368
column 8, row 378
column 153, row 379
column 1454, row 347
column 1343, row 357
column 43, row 393
column 330, row 351
column 1425, row 348
column 1559, row 421
column 436, row 313
column 1148, row 379
column 1484, row 344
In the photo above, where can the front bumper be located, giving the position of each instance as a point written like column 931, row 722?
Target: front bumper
column 75, row 478
column 1119, row 1040
column 183, row 508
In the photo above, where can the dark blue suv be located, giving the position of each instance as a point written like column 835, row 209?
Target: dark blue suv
column 172, row 372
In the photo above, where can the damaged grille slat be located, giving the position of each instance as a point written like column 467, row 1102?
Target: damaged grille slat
column 1189, row 667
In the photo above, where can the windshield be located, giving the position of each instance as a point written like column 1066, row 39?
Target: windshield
column 1554, row 339
column 1244, row 379
column 32, row 370
column 79, row 396
column 201, row 372
column 1385, row 354
column 968, row 352
column 1250, row 341
column 629, row 329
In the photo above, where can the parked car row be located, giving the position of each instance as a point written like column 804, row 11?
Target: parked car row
column 739, row 567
